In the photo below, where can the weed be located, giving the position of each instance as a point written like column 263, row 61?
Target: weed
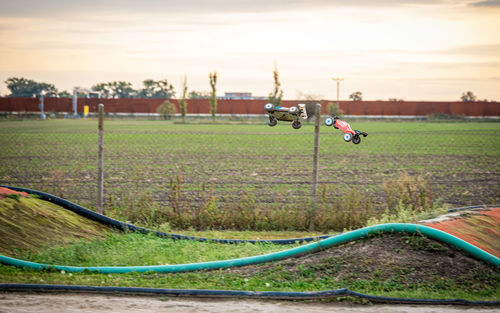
column 175, row 194
column 419, row 242
column 350, row 210
column 407, row 191
column 14, row 196
column 262, row 174
column 57, row 177
column 406, row 215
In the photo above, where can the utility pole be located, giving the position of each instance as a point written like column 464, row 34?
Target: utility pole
column 42, row 95
column 338, row 80
column 100, row 157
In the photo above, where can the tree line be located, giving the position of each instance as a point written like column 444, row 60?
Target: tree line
column 158, row 89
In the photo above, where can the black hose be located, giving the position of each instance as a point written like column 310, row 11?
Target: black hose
column 126, row 226
column 211, row 293
column 279, row 295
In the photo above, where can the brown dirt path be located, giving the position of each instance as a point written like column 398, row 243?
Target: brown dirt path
column 478, row 227
column 4, row 192
column 95, row 303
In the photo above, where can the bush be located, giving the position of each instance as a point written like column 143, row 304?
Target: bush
column 407, row 191
column 407, row 199
column 167, row 109
column 333, row 109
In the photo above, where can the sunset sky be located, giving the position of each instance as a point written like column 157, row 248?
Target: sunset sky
column 406, row 49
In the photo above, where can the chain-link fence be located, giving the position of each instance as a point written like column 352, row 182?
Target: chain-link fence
column 188, row 165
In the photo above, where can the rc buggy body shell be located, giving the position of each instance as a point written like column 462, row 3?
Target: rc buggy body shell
column 291, row 114
column 349, row 134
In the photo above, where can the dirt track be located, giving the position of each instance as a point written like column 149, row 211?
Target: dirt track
column 93, row 303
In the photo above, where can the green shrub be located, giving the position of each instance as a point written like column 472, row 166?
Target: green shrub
column 167, row 110
column 408, row 191
column 408, row 200
column 333, row 109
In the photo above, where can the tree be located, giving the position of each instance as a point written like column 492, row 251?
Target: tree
column 468, row 97
column 159, row 89
column 213, row 95
column 104, row 89
column 116, row 89
column 277, row 94
column 199, row 95
column 64, row 94
column 22, row 87
column 183, row 100
column 356, row 96
column 122, row 89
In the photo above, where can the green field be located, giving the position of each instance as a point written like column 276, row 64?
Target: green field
column 391, row 264
column 188, row 166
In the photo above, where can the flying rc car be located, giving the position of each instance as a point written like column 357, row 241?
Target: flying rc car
column 349, row 134
column 291, row 114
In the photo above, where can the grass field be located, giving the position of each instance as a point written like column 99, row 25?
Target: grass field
column 187, row 166
column 397, row 265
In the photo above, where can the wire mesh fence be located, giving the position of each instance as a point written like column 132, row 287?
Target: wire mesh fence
column 188, row 165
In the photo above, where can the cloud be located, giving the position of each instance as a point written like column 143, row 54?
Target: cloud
column 80, row 7
column 477, row 50
column 486, row 3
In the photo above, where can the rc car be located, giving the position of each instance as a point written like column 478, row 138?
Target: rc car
column 291, row 114
column 349, row 134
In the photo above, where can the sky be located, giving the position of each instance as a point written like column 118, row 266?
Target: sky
column 404, row 49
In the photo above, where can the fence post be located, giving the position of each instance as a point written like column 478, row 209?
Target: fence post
column 315, row 166
column 100, row 173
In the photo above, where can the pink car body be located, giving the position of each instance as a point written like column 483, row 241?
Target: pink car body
column 349, row 134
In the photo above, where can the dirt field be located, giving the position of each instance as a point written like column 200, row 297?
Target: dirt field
column 93, row 303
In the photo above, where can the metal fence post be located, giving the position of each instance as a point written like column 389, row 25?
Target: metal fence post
column 100, row 173
column 315, row 166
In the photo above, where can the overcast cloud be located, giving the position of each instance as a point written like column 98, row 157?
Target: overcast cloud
column 57, row 7
column 487, row 3
column 386, row 49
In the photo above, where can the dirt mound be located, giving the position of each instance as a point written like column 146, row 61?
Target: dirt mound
column 6, row 192
column 406, row 259
column 478, row 227
column 28, row 223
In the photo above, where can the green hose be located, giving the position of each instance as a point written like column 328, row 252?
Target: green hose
column 294, row 252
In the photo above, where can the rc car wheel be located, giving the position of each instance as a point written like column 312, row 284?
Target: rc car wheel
column 329, row 121
column 356, row 139
column 293, row 110
column 296, row 125
column 269, row 107
column 347, row 137
column 272, row 122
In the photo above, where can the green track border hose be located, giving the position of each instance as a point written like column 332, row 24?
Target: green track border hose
column 294, row 252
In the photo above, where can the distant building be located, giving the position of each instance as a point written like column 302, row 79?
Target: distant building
column 241, row 96
column 238, row 95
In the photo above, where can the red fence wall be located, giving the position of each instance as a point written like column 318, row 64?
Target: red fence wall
column 202, row 106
